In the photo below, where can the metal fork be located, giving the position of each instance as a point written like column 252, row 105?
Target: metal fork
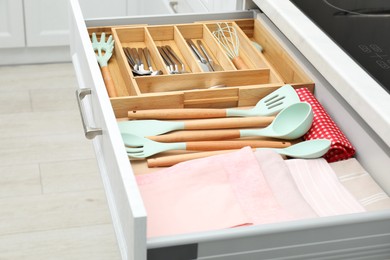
column 170, row 51
column 134, row 64
column 168, row 63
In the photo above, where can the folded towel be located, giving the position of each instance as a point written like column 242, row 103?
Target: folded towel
column 195, row 196
column 324, row 127
column 320, row 187
column 216, row 192
column 283, row 186
column 361, row 185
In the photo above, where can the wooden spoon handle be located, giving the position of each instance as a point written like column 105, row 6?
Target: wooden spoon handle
column 227, row 145
column 108, row 82
column 221, row 123
column 177, row 113
column 239, row 63
column 170, row 160
column 204, row 135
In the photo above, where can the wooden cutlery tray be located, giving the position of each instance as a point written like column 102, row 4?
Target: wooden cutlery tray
column 267, row 70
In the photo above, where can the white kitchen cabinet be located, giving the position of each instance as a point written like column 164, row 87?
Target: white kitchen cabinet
column 354, row 236
column 212, row 6
column 221, row 5
column 47, row 21
column 37, row 31
column 11, row 23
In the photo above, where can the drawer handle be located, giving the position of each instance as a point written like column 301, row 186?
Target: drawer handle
column 173, row 5
column 90, row 132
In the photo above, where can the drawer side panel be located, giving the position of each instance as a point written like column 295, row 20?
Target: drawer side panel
column 126, row 206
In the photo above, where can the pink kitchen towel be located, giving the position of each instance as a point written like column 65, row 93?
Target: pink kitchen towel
column 321, row 188
column 282, row 184
column 194, row 196
column 217, row 192
column 324, row 127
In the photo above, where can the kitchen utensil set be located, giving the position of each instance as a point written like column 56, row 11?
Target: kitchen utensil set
column 135, row 59
column 144, row 138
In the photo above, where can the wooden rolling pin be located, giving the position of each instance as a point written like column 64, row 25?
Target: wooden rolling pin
column 228, row 146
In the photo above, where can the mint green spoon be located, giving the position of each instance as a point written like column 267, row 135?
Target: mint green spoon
column 304, row 150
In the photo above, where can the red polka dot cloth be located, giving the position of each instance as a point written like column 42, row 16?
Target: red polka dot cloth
column 324, row 127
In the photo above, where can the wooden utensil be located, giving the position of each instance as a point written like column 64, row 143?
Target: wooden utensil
column 158, row 127
column 304, row 150
column 104, row 52
column 227, row 37
column 269, row 105
column 140, row 147
column 291, row 123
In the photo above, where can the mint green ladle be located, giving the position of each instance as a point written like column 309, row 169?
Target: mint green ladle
column 291, row 123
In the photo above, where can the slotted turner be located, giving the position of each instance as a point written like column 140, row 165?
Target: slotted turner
column 269, row 105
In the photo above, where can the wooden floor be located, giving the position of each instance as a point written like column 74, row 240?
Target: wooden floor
column 52, row 202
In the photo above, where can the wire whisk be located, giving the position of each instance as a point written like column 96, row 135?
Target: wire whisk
column 227, row 37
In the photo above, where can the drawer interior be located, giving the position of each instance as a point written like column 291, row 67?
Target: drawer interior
column 268, row 69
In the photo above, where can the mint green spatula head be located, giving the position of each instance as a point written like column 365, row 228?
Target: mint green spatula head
column 103, row 48
column 271, row 104
column 307, row 149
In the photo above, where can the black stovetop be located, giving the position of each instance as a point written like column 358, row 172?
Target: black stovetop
column 360, row 27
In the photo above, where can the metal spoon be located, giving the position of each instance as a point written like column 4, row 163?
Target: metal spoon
column 133, row 64
column 149, row 63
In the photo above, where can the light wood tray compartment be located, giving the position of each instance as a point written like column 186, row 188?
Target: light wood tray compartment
column 273, row 52
column 269, row 70
column 199, row 32
column 169, row 35
column 152, row 37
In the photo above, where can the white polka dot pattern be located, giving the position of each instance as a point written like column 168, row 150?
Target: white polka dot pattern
column 324, row 127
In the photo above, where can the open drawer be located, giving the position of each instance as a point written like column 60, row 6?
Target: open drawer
column 363, row 236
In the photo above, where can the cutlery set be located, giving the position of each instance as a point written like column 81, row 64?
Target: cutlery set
column 135, row 58
column 175, row 65
column 148, row 136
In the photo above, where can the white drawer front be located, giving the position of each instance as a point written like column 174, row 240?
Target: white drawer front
column 126, row 206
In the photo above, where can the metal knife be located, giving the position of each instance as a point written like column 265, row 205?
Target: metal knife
column 208, row 58
column 202, row 61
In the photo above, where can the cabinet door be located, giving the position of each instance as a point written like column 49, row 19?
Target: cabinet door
column 149, row 7
column 213, row 6
column 103, row 8
column 46, row 22
column 11, row 23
